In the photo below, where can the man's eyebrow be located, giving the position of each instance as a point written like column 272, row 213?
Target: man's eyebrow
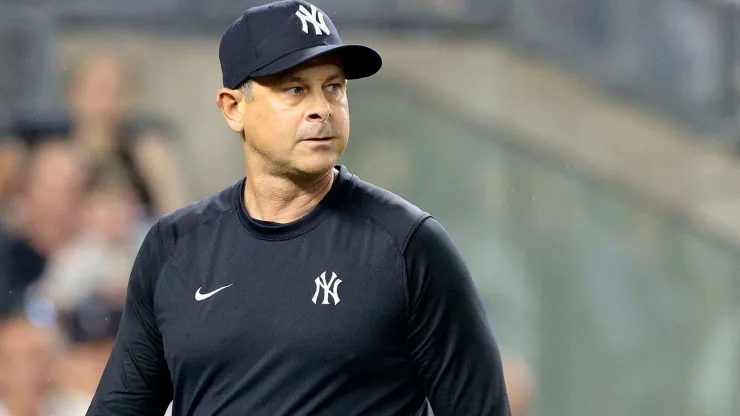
column 295, row 78
column 338, row 74
column 290, row 78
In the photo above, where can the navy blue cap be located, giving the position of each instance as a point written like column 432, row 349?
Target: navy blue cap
column 93, row 319
column 275, row 37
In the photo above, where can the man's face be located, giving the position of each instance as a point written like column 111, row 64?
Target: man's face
column 298, row 122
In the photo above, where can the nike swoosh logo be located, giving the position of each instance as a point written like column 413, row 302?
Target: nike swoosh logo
column 203, row 296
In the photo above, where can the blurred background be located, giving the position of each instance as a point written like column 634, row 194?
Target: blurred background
column 582, row 153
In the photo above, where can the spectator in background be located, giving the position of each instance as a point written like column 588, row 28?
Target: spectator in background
column 26, row 356
column 88, row 331
column 98, row 122
column 99, row 100
column 47, row 212
column 99, row 259
column 17, row 151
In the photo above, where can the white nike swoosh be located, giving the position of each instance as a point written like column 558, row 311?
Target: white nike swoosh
column 203, row 296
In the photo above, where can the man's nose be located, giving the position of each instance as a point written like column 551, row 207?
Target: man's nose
column 320, row 108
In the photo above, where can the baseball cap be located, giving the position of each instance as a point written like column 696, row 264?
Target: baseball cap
column 94, row 319
column 275, row 37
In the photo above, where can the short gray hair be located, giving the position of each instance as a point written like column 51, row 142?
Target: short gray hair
column 246, row 89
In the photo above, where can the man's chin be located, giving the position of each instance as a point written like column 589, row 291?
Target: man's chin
column 316, row 167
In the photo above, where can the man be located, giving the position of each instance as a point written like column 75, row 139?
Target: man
column 301, row 289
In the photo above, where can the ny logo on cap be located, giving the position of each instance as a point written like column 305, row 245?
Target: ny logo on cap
column 315, row 17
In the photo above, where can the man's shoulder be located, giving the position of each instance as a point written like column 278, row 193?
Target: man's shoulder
column 398, row 216
column 175, row 224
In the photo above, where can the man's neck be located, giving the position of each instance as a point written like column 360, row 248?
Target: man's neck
column 280, row 199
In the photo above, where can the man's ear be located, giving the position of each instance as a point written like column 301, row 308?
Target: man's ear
column 228, row 101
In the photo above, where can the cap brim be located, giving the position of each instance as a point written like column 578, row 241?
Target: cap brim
column 359, row 61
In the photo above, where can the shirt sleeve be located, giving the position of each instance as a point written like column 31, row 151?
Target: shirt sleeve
column 450, row 341
column 136, row 380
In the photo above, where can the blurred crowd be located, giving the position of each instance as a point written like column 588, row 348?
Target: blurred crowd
column 77, row 194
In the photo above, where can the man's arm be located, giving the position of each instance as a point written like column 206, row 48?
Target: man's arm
column 136, row 381
column 450, row 341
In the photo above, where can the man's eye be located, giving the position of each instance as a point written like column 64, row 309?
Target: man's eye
column 294, row 90
column 335, row 87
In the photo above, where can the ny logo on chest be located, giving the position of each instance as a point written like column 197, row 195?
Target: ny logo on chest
column 330, row 288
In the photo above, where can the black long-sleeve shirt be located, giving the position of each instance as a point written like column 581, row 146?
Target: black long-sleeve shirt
column 362, row 307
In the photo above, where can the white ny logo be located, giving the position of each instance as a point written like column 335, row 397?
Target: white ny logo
column 315, row 17
column 328, row 289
